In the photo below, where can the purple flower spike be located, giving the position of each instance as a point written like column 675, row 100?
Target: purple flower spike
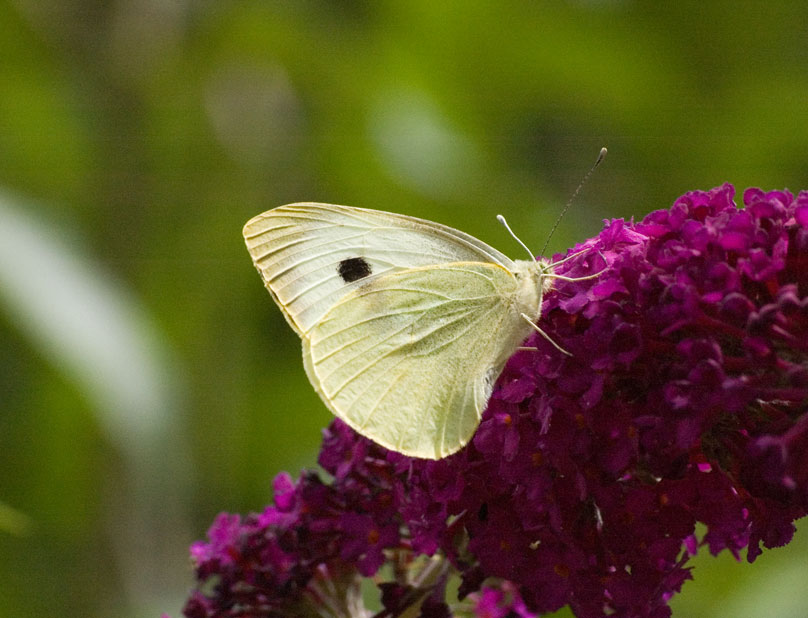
column 684, row 401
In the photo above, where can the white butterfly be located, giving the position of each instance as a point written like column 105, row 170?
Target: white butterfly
column 406, row 324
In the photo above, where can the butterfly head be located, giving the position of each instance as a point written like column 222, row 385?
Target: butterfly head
column 532, row 282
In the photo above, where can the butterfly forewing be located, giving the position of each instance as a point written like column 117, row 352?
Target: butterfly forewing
column 408, row 359
column 310, row 255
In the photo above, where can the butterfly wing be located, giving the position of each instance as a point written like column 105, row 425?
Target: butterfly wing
column 409, row 359
column 310, row 255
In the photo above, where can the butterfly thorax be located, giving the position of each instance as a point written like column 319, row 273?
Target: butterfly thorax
column 532, row 283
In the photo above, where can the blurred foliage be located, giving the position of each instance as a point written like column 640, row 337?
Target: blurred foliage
column 137, row 137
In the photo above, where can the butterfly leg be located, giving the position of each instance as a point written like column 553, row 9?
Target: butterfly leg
column 571, row 256
column 563, row 278
column 551, row 275
column 543, row 334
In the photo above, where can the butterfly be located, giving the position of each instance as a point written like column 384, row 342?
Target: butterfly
column 406, row 324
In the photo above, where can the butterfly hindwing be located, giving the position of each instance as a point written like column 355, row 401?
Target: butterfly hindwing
column 409, row 358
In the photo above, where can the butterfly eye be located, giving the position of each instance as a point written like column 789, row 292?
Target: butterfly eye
column 353, row 269
column 482, row 512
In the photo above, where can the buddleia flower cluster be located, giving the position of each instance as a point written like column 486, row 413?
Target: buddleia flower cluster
column 683, row 401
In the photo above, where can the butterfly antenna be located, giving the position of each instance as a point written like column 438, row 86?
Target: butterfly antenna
column 501, row 219
column 601, row 156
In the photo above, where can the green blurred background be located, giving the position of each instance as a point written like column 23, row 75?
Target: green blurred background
column 149, row 382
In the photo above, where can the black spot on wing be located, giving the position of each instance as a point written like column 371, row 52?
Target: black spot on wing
column 353, row 269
